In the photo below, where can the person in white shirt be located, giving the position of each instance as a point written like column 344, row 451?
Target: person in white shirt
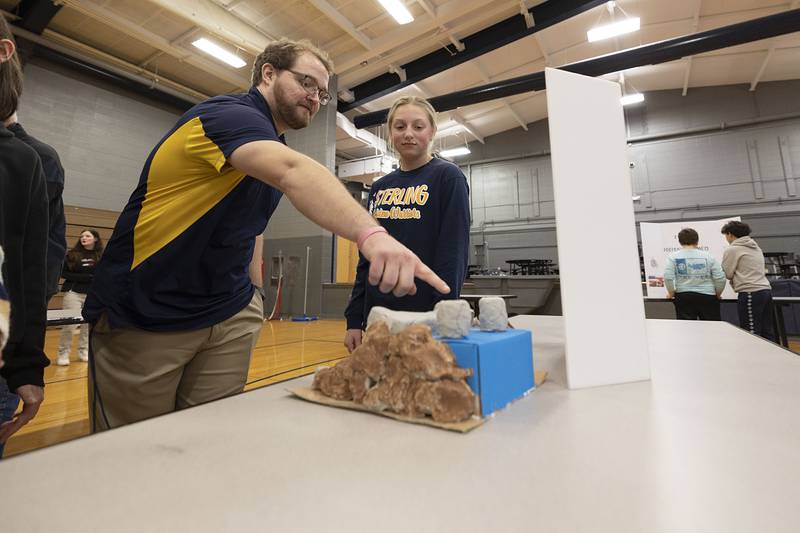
column 694, row 280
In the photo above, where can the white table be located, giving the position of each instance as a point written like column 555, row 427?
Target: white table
column 780, row 327
column 64, row 317
column 711, row 444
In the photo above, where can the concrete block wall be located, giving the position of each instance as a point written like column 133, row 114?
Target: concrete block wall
column 289, row 231
column 102, row 134
column 751, row 171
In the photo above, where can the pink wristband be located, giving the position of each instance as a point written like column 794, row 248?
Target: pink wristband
column 367, row 233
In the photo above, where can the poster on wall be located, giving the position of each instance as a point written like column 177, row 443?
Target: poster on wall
column 660, row 240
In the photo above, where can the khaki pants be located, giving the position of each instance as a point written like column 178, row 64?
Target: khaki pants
column 137, row 374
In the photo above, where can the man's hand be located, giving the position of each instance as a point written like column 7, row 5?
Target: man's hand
column 32, row 397
column 670, row 295
column 352, row 339
column 393, row 267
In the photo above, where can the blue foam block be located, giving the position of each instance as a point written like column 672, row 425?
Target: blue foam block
column 502, row 364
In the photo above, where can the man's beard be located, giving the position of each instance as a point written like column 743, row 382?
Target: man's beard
column 291, row 113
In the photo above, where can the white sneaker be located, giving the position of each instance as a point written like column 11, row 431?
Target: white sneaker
column 62, row 360
column 83, row 357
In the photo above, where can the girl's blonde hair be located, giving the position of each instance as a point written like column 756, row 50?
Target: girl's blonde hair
column 412, row 100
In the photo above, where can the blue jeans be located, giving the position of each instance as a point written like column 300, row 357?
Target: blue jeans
column 8, row 406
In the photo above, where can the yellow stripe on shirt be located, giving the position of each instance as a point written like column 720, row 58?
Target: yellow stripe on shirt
column 188, row 176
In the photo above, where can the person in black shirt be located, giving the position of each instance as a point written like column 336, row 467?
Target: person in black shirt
column 425, row 205
column 54, row 177
column 78, row 272
column 23, row 237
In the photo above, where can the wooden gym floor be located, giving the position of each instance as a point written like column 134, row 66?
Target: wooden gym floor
column 285, row 350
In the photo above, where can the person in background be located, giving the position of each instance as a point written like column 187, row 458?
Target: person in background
column 743, row 263
column 54, row 176
column 694, row 280
column 23, row 237
column 425, row 205
column 78, row 272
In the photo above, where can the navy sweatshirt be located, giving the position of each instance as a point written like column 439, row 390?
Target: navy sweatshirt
column 426, row 209
column 54, row 177
column 23, row 237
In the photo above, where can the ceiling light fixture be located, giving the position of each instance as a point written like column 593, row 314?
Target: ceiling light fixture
column 455, row 152
column 608, row 31
column 634, row 98
column 627, row 25
column 218, row 52
column 397, row 10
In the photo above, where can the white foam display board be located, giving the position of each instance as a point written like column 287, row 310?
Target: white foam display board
column 601, row 292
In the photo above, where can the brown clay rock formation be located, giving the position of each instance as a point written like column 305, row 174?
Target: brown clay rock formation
column 409, row 373
column 445, row 399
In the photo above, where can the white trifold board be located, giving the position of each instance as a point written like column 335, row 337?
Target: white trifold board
column 598, row 257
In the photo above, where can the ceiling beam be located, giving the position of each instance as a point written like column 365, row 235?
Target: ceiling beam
column 178, row 40
column 525, row 11
column 769, row 55
column 131, row 29
column 530, row 22
column 695, row 24
column 364, row 25
column 763, row 67
column 343, row 22
column 255, row 26
column 651, row 54
column 399, row 71
column 453, row 39
column 487, row 79
column 108, row 67
column 448, row 12
column 686, row 74
column 429, row 8
column 217, row 20
column 35, row 15
column 516, row 116
column 506, row 31
column 456, row 117
column 232, row 4
column 375, row 64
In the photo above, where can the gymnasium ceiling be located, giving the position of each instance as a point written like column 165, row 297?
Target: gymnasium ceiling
column 152, row 38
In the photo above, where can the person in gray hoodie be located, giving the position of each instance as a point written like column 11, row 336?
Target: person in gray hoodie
column 743, row 264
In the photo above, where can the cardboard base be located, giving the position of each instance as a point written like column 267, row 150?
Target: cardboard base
column 316, row 396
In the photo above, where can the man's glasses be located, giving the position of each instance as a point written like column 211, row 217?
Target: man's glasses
column 310, row 86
